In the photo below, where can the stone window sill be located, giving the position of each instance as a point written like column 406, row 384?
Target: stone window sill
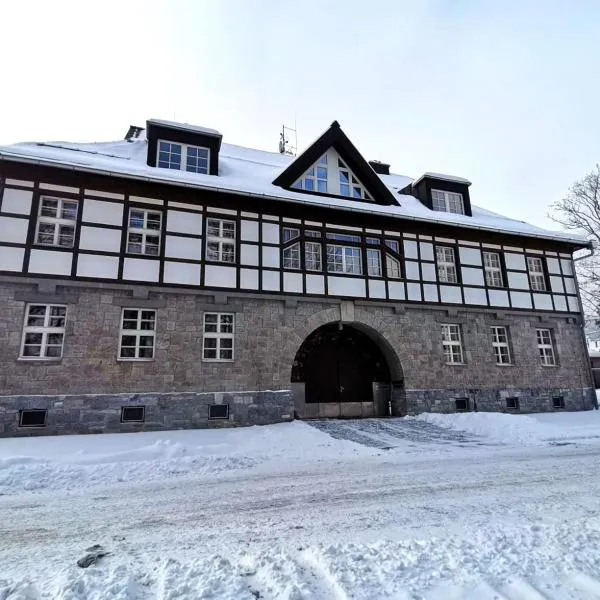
column 39, row 361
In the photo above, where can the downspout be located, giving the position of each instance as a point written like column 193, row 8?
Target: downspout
column 591, row 248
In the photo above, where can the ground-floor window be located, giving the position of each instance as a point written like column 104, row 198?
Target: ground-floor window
column 218, row 336
column 452, row 343
column 43, row 331
column 546, row 347
column 138, row 330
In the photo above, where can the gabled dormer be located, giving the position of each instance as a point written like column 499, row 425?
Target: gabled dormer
column 183, row 147
column 332, row 166
column 442, row 193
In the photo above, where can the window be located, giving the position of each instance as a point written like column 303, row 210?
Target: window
column 558, row 402
column 500, row 345
column 546, row 347
column 343, row 259
column 138, row 329
column 218, row 411
column 493, row 269
column 56, row 222
column 343, row 237
column 446, row 264
column 373, row 262
column 315, row 179
column 291, row 256
column 218, row 336
column 43, row 331
column 33, row 418
column 512, row 404
column 220, row 240
column 182, row 157
column 290, row 233
column 312, row 256
column 452, row 344
column 447, row 202
column 143, row 234
column 535, row 267
column 462, row 404
column 133, row 414
column 392, row 265
column 349, row 184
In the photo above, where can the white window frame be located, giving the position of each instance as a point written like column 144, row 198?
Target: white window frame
column 313, row 256
column 183, row 166
column 224, row 322
column 316, row 178
column 346, row 261
column 346, row 179
column 137, row 333
column 222, row 241
column 291, row 257
column 144, row 232
column 501, row 345
column 48, row 324
column 492, row 265
column 443, row 201
column 58, row 222
column 545, row 344
column 446, row 264
column 537, row 276
column 374, row 266
column 452, row 344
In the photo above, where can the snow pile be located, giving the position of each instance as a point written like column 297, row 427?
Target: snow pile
column 521, row 430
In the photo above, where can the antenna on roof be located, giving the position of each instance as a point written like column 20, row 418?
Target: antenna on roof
column 288, row 141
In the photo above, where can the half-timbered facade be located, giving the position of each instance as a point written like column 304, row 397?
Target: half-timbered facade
column 171, row 280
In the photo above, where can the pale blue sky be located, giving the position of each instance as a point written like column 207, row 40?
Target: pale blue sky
column 505, row 93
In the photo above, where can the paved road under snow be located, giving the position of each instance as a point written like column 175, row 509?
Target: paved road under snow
column 490, row 523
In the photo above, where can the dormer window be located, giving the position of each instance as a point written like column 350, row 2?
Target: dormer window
column 183, row 157
column 447, row 202
column 315, row 179
column 349, row 185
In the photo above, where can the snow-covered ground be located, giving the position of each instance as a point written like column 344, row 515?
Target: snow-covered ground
column 474, row 505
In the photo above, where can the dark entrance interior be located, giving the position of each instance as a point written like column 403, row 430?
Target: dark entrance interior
column 340, row 366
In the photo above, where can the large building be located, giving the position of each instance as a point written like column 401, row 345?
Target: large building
column 170, row 280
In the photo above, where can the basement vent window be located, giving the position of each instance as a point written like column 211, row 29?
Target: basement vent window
column 133, row 414
column 462, row 404
column 32, row 418
column 218, row 411
column 512, row 404
column 558, row 402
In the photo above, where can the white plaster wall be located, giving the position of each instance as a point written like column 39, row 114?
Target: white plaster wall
column 542, row 301
column 51, row 262
column 181, row 273
column 428, row 272
column 17, row 201
column 567, row 266
column 346, row 286
column 520, row 299
column 469, row 256
column 108, row 213
column 570, row 285
column 217, row 276
column 270, row 257
column 451, row 294
column 183, row 247
column 184, row 222
column 515, row 261
column 498, row 298
column 410, row 249
column 377, row 289
column 99, row 238
column 270, row 233
column 92, row 265
column 249, row 279
column 249, row 255
column 11, row 259
column 475, row 296
column 553, row 265
column 292, row 282
column 560, row 302
column 271, row 281
column 556, row 284
column 139, row 269
column 249, row 231
column 518, row 281
column 413, row 291
column 315, row 284
column 573, row 303
column 412, row 269
column 396, row 290
column 430, row 293
column 13, row 230
column 426, row 251
column 472, row 276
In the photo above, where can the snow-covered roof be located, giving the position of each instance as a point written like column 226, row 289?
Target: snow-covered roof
column 184, row 126
column 443, row 177
column 250, row 172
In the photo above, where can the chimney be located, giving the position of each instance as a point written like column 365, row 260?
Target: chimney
column 379, row 167
column 133, row 133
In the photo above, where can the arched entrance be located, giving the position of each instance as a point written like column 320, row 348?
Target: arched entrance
column 340, row 371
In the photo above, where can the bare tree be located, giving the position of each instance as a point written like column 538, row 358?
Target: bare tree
column 579, row 211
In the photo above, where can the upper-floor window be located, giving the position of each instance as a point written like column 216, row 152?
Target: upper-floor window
column 493, row 269
column 43, row 331
column 452, row 343
column 183, row 157
column 546, row 347
column 535, row 267
column 313, row 252
column 220, row 240
column 349, row 184
column 446, row 264
column 500, row 345
column 447, row 202
column 343, row 259
column 56, row 222
column 143, row 233
column 315, row 179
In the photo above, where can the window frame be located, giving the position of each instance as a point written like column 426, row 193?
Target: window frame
column 535, row 275
column 489, row 269
column 345, row 260
column 498, row 345
column 57, row 222
column 144, row 231
column 544, row 346
column 447, row 201
column 218, row 335
column 137, row 333
column 444, row 266
column 448, row 342
column 46, row 329
column 221, row 241
column 184, row 156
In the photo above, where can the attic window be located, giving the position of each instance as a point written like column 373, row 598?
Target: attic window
column 447, row 202
column 315, row 179
column 349, row 185
column 183, row 157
